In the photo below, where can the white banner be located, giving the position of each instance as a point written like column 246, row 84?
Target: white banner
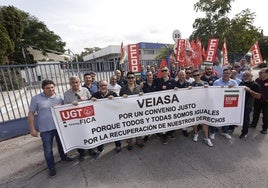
column 107, row 120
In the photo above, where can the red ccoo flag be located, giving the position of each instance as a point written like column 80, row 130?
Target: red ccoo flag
column 180, row 51
column 255, row 53
column 225, row 54
column 211, row 50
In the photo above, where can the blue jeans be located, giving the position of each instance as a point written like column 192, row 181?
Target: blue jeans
column 47, row 139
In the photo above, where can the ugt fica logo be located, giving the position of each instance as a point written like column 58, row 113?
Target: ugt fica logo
column 77, row 113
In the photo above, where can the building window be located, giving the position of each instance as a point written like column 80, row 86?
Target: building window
column 148, row 52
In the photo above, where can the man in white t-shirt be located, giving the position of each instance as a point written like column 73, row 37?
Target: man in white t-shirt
column 113, row 86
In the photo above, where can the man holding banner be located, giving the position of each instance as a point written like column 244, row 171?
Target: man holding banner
column 131, row 89
column 224, row 81
column 104, row 92
column 41, row 104
column 74, row 95
column 165, row 83
column 253, row 91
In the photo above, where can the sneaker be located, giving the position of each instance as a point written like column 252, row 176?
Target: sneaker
column 195, row 138
column 52, row 172
column 172, row 137
column 264, row 131
column 208, row 142
column 185, row 133
column 118, row 149
column 212, row 136
column 129, row 148
column 226, row 135
column 164, row 140
column 243, row 136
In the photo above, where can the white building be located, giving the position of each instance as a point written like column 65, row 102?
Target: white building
column 107, row 59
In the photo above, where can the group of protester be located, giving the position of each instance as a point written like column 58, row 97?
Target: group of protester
column 148, row 81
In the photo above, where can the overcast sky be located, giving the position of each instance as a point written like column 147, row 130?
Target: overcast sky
column 99, row 23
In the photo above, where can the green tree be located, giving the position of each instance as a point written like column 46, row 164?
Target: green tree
column 36, row 34
column 24, row 31
column 86, row 52
column 164, row 52
column 215, row 24
column 263, row 44
column 6, row 45
column 13, row 20
column 240, row 33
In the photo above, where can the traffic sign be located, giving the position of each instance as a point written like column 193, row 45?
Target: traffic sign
column 176, row 35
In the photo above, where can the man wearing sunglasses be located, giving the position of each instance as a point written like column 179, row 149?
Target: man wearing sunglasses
column 199, row 83
column 131, row 88
column 165, row 83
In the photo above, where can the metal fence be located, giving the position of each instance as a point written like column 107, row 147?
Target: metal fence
column 18, row 83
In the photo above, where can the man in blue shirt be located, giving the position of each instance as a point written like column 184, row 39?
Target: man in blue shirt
column 88, row 83
column 224, row 81
column 41, row 105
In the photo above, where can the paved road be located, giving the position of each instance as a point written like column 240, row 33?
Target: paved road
column 180, row 163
